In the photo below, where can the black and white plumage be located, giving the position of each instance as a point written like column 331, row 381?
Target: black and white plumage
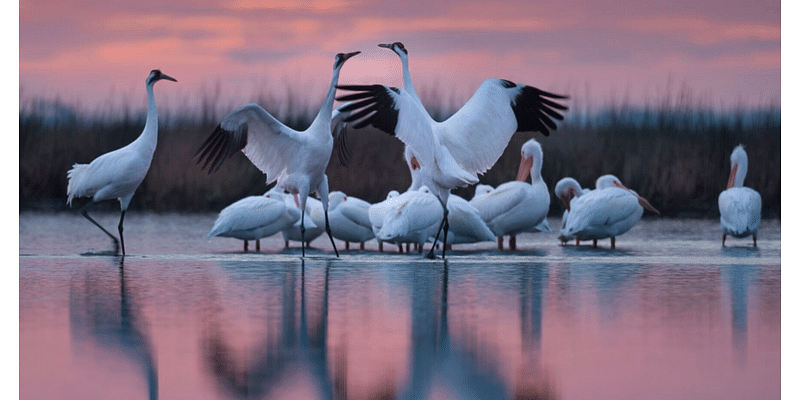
column 296, row 160
column 117, row 174
column 450, row 154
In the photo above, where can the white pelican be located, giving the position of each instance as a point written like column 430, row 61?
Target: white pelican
column 468, row 143
column 481, row 190
column 349, row 219
column 566, row 190
column 739, row 206
column 608, row 211
column 312, row 231
column 466, row 224
column 117, row 174
column 297, row 160
column 255, row 217
column 377, row 211
column 515, row 207
column 414, row 218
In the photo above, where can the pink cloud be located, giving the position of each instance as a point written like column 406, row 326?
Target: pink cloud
column 705, row 31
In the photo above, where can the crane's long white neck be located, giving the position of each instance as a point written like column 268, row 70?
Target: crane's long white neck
column 408, row 85
column 149, row 138
column 324, row 115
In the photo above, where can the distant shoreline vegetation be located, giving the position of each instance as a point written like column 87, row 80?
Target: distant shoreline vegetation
column 675, row 154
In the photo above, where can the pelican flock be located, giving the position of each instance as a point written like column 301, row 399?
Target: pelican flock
column 739, row 206
column 117, row 174
column 452, row 153
column 440, row 157
column 296, row 160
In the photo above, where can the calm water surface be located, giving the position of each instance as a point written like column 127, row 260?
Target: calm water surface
column 669, row 314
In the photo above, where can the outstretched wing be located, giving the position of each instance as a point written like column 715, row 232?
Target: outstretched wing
column 339, row 130
column 269, row 144
column 479, row 132
column 394, row 111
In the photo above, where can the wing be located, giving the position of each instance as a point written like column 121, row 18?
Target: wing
column 603, row 208
column 479, row 132
column 269, row 144
column 248, row 213
column 740, row 209
column 355, row 213
column 502, row 200
column 339, row 132
column 394, row 111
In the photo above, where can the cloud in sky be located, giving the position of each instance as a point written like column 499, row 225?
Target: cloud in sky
column 729, row 49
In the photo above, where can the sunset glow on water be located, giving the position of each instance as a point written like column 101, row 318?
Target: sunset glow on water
column 198, row 318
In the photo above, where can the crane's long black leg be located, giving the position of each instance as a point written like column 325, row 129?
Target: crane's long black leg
column 328, row 229
column 121, row 239
column 303, row 232
column 446, row 228
column 85, row 213
column 444, row 225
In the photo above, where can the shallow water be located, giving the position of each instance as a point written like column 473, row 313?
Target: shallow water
column 669, row 314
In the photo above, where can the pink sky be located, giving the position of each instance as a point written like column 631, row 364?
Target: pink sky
column 97, row 53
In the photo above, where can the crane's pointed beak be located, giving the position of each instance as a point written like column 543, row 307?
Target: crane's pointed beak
column 167, row 77
column 385, row 45
column 351, row 55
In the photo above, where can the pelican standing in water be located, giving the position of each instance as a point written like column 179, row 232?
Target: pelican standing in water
column 566, row 190
column 739, row 206
column 606, row 212
column 117, row 174
column 297, row 160
column 255, row 217
column 515, row 207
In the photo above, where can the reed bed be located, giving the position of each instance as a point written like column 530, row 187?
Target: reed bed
column 676, row 154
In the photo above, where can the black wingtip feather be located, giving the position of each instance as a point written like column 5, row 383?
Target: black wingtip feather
column 219, row 146
column 341, row 147
column 375, row 106
column 535, row 112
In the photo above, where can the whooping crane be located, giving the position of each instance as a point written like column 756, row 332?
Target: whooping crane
column 297, row 160
column 453, row 152
column 117, row 174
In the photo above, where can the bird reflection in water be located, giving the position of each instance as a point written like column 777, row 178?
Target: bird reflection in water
column 443, row 366
column 104, row 313
column 293, row 358
column 293, row 361
column 533, row 382
column 738, row 278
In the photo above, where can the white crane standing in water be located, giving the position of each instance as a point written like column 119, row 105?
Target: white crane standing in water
column 297, row 160
column 117, row 174
column 450, row 154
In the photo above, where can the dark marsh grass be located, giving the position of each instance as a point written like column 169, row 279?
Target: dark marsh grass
column 675, row 154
